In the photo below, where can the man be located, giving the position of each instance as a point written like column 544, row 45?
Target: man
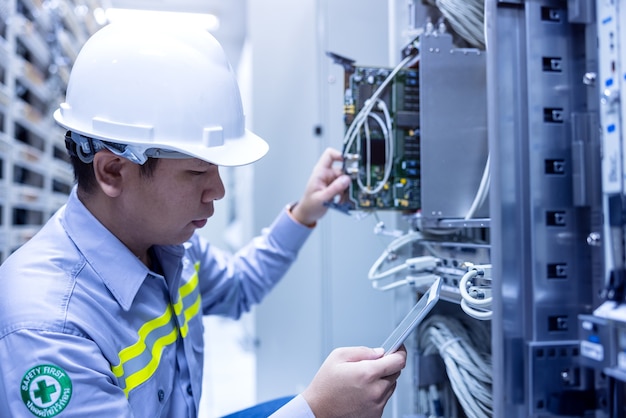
column 100, row 312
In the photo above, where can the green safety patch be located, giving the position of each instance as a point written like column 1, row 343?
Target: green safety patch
column 46, row 390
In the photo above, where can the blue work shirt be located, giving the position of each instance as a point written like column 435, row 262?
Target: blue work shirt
column 87, row 330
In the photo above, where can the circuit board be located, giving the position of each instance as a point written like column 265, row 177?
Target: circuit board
column 377, row 182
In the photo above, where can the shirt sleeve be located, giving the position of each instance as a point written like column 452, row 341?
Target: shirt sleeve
column 57, row 374
column 296, row 408
column 231, row 284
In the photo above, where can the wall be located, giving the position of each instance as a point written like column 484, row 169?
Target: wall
column 325, row 301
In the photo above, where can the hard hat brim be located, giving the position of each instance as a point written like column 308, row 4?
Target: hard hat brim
column 234, row 152
column 243, row 150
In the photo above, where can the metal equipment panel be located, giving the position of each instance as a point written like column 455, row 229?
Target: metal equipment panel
column 453, row 121
column 540, row 227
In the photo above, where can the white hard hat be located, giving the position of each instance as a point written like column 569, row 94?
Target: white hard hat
column 160, row 92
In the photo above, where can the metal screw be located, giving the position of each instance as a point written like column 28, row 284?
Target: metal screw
column 594, row 239
column 589, row 79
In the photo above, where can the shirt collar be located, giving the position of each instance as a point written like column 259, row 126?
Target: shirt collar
column 120, row 270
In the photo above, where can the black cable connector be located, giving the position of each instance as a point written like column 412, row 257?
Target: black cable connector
column 411, row 49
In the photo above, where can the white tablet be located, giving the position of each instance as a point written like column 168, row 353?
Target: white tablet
column 413, row 318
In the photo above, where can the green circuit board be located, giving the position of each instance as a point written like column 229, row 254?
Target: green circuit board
column 366, row 159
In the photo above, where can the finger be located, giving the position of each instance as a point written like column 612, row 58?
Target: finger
column 337, row 171
column 384, row 390
column 392, row 377
column 353, row 354
column 335, row 187
column 329, row 156
column 391, row 364
column 334, row 154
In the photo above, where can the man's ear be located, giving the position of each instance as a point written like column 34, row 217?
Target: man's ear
column 109, row 170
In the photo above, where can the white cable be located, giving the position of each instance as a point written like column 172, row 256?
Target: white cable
column 390, row 251
column 353, row 131
column 474, row 307
column 482, row 315
column 464, row 293
column 386, row 128
column 373, row 275
column 439, row 335
column 419, row 268
column 389, row 143
column 423, row 404
column 466, row 17
column 483, row 190
column 467, row 360
column 425, row 280
column 435, row 400
column 361, row 117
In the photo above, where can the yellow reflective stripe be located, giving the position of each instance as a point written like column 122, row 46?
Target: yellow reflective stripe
column 144, row 374
column 186, row 289
column 190, row 312
column 136, row 349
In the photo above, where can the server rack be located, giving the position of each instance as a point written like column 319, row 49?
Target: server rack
column 39, row 41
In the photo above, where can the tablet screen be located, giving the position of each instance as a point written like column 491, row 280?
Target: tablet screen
column 413, row 318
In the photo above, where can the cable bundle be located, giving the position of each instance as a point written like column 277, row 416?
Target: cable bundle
column 465, row 351
column 466, row 17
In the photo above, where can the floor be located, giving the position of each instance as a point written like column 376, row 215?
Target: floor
column 229, row 369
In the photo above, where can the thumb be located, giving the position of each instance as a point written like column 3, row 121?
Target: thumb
column 336, row 186
column 352, row 354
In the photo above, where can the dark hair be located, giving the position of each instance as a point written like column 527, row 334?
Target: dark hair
column 86, row 179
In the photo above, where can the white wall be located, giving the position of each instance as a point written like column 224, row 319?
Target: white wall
column 325, row 301
column 284, row 110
